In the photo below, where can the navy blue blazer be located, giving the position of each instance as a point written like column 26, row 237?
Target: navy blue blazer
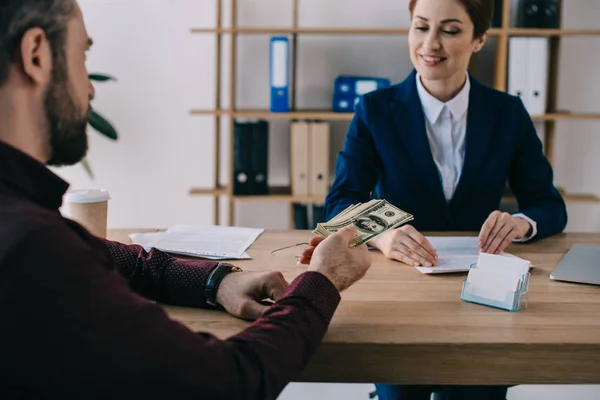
column 386, row 155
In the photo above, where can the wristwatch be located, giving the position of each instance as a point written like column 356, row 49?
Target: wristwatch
column 214, row 280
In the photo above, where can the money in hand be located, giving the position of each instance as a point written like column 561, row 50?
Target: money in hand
column 370, row 219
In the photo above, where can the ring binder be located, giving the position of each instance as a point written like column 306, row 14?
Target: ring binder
column 514, row 300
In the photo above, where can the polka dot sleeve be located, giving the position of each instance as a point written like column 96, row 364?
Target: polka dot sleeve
column 161, row 277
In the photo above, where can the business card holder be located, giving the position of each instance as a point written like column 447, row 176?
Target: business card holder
column 513, row 301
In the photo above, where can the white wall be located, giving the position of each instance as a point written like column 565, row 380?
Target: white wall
column 164, row 71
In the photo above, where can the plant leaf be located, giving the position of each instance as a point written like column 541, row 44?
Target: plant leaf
column 104, row 127
column 86, row 165
column 101, row 77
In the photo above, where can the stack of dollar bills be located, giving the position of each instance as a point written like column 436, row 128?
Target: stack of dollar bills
column 370, row 219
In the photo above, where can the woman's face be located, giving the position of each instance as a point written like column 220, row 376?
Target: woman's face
column 441, row 39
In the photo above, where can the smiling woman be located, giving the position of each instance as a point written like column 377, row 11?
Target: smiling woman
column 442, row 39
column 442, row 146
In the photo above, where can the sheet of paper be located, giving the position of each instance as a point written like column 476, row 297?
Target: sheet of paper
column 147, row 241
column 450, row 263
column 456, row 254
column 212, row 242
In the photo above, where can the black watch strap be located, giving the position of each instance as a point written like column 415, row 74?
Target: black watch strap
column 214, row 280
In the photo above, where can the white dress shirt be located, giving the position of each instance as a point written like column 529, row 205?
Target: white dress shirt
column 446, row 125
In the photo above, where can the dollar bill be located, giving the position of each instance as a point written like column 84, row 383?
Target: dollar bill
column 351, row 210
column 370, row 219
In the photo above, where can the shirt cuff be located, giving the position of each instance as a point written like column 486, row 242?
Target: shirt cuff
column 533, row 228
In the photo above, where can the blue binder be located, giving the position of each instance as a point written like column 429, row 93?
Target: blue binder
column 348, row 89
column 280, row 74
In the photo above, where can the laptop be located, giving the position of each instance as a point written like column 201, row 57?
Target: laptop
column 581, row 264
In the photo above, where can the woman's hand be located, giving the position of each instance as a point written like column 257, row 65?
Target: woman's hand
column 406, row 245
column 499, row 230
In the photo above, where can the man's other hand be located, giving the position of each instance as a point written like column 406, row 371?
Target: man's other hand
column 242, row 293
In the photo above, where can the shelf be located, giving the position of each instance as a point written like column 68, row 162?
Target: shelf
column 388, row 31
column 309, row 114
column 314, row 31
column 209, row 191
column 501, row 35
column 276, row 193
column 581, row 198
column 329, row 115
column 281, row 193
column 565, row 115
column 569, row 198
column 552, row 32
column 288, row 198
column 209, row 112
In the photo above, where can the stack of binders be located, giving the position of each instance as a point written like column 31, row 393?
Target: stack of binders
column 250, row 158
column 528, row 71
column 309, row 167
column 309, row 156
column 539, row 14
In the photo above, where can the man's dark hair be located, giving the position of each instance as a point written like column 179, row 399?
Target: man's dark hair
column 18, row 16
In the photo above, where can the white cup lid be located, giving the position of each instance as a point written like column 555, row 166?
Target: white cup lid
column 87, row 196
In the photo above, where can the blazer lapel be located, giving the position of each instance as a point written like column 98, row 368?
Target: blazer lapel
column 409, row 118
column 480, row 124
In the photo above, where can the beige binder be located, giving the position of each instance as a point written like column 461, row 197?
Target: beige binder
column 299, row 158
column 318, row 184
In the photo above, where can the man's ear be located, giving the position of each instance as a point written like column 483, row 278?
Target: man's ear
column 36, row 56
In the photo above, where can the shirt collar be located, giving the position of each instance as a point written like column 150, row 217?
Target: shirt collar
column 432, row 107
column 31, row 178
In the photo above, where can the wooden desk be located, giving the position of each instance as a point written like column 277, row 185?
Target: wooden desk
column 398, row 325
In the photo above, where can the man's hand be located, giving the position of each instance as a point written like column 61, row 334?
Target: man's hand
column 242, row 293
column 499, row 230
column 308, row 252
column 406, row 245
column 341, row 264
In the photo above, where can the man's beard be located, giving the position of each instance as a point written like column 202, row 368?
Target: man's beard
column 67, row 123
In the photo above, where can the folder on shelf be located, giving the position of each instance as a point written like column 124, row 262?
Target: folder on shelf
column 299, row 157
column 319, row 138
column 300, row 216
column 242, row 164
column 279, row 74
column 250, row 157
column 307, row 216
column 538, row 58
column 348, row 89
column 260, row 158
column 318, row 215
column 497, row 16
column 539, row 14
column 528, row 71
column 518, row 69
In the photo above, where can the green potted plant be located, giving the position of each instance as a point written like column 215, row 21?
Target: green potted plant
column 98, row 122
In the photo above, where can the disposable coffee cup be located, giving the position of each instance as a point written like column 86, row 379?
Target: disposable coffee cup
column 88, row 207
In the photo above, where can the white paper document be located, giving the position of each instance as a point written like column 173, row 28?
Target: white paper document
column 455, row 254
column 211, row 242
